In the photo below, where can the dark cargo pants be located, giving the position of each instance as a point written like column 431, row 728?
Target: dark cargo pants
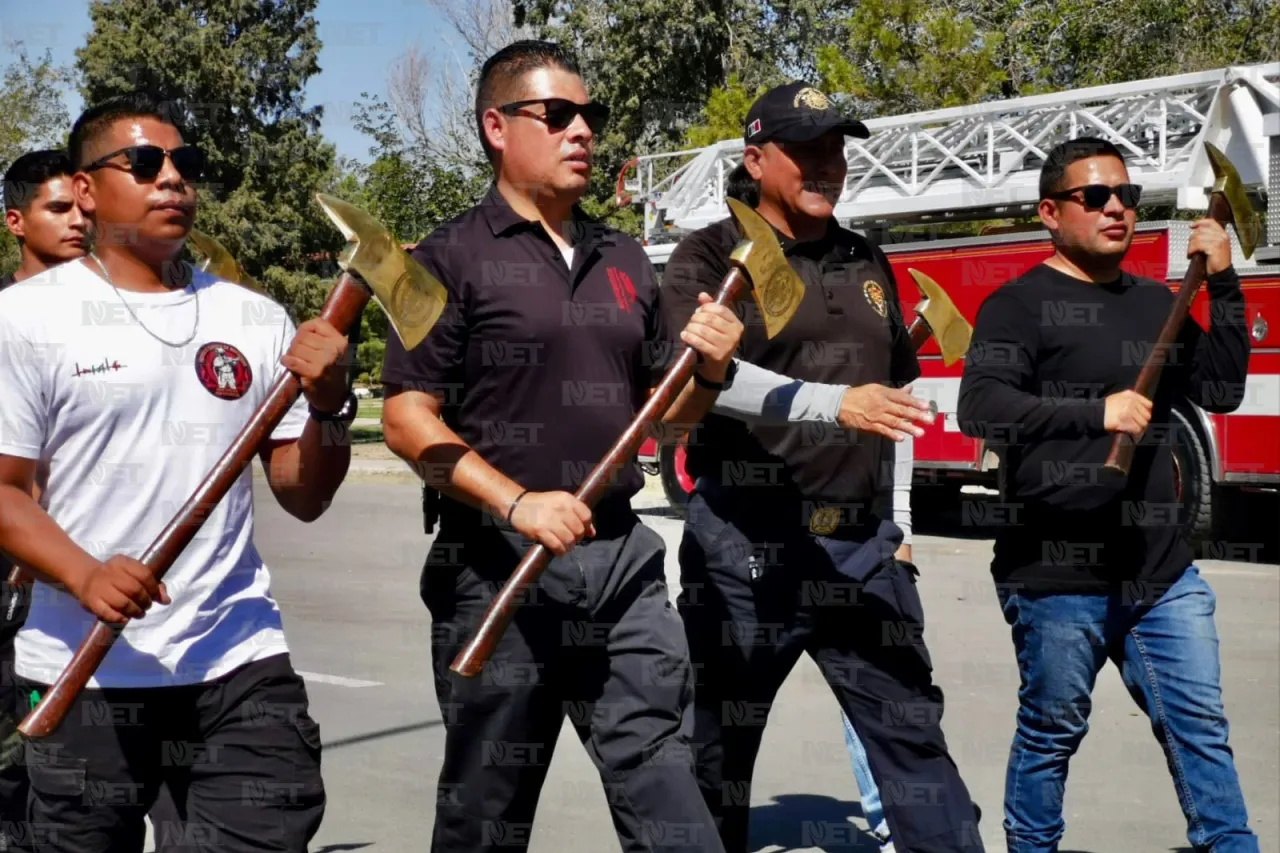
column 596, row 640
column 756, row 594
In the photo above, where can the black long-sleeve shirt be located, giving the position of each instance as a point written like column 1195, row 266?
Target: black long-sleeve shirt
column 1047, row 350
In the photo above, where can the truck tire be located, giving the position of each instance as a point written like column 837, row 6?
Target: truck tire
column 1192, row 479
column 676, row 482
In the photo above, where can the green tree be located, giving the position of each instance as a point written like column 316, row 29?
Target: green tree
column 725, row 113
column 409, row 189
column 905, row 55
column 32, row 115
column 237, row 71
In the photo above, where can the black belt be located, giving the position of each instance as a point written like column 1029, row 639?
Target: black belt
column 782, row 509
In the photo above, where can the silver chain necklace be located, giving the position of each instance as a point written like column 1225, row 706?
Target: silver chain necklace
column 194, row 328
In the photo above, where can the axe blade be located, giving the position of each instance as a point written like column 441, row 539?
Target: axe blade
column 1227, row 181
column 949, row 327
column 221, row 263
column 775, row 286
column 411, row 297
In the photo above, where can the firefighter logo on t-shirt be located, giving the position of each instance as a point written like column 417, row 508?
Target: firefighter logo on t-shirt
column 875, row 295
column 223, row 371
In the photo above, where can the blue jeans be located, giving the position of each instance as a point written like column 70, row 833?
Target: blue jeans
column 868, row 793
column 1167, row 653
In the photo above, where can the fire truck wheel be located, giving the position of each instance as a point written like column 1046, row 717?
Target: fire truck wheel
column 676, row 482
column 1192, row 479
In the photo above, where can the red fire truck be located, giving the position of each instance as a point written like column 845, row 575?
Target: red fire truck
column 982, row 162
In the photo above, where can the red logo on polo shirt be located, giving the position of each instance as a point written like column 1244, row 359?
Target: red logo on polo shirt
column 623, row 290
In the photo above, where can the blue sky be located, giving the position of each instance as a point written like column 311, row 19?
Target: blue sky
column 360, row 41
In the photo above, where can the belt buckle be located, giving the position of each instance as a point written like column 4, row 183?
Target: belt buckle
column 824, row 520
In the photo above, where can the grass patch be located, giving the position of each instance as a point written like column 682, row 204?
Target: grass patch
column 366, row 434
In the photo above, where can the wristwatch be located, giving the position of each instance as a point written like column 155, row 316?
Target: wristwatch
column 729, row 373
column 345, row 415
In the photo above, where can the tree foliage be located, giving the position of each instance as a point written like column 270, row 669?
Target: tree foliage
column 32, row 115
column 237, row 70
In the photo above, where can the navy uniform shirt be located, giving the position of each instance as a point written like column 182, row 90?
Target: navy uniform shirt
column 540, row 366
column 847, row 330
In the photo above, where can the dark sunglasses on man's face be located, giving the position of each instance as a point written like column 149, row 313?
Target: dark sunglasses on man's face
column 146, row 161
column 560, row 113
column 1096, row 196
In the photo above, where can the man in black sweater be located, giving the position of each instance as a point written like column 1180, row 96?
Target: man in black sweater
column 1092, row 567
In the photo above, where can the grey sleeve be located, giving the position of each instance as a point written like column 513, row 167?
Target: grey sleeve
column 762, row 396
column 903, row 463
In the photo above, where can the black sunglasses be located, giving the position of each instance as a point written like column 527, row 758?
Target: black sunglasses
column 146, row 161
column 1096, row 196
column 560, row 112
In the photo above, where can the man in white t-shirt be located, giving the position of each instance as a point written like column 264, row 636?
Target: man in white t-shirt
column 108, row 376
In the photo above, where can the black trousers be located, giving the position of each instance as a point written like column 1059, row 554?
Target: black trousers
column 758, row 591
column 596, row 641
column 15, row 830
column 240, row 756
column 15, row 602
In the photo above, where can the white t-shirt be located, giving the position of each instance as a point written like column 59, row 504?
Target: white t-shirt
column 128, row 428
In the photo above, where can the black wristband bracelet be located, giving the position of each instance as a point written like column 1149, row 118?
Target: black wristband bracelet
column 512, row 508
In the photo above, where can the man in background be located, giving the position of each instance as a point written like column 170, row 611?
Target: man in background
column 42, row 215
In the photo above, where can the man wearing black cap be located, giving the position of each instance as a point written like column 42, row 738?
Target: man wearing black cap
column 788, row 544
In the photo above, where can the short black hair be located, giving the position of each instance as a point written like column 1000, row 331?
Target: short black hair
column 100, row 116
column 505, row 68
column 29, row 172
column 1065, row 153
column 741, row 186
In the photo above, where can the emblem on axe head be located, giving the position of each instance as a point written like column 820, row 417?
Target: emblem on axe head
column 776, row 288
column 411, row 297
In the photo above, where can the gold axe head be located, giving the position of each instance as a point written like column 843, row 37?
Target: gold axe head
column 412, row 298
column 775, row 286
column 951, row 330
column 221, row 263
column 1227, row 181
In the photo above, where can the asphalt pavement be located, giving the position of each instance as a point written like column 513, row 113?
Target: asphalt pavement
column 348, row 586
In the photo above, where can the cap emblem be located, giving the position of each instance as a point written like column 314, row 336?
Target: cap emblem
column 811, row 98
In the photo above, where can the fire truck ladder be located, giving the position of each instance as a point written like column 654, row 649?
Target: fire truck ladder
column 983, row 160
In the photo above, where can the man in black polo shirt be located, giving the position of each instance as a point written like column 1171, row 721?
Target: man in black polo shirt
column 788, row 544
column 1096, row 569
column 550, row 344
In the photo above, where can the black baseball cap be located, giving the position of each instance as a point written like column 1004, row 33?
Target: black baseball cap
column 797, row 112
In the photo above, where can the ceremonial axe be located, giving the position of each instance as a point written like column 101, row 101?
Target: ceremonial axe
column 937, row 316
column 1229, row 205
column 374, row 266
column 758, row 265
column 220, row 263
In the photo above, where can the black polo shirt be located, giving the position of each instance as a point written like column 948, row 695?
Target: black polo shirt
column 540, row 366
column 848, row 330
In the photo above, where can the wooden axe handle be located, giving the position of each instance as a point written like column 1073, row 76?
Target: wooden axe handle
column 920, row 333
column 1120, row 458
column 502, row 609
column 342, row 309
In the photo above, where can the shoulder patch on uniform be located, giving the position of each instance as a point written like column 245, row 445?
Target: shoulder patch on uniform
column 875, row 295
